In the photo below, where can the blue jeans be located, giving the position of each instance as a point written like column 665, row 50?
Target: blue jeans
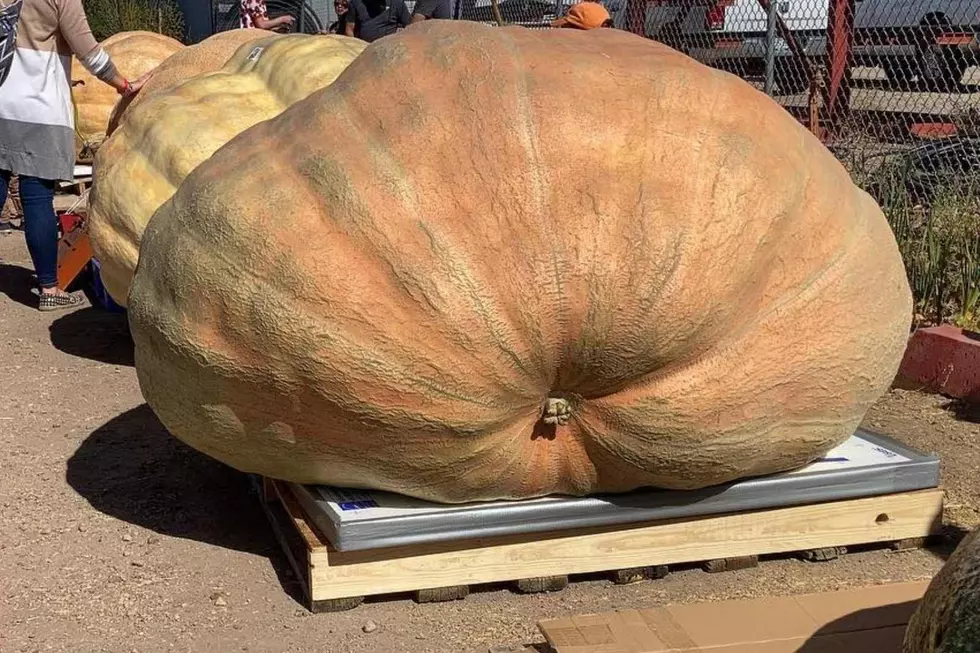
column 40, row 224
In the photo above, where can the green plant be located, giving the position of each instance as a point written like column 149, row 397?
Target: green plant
column 957, row 210
column 938, row 237
column 969, row 267
column 108, row 17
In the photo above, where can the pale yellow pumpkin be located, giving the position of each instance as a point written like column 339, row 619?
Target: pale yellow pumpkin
column 502, row 263
column 133, row 53
column 207, row 56
column 165, row 137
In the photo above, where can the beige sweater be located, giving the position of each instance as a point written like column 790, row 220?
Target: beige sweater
column 36, row 114
column 55, row 26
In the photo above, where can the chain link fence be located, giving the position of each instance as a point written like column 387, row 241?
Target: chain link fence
column 876, row 79
column 892, row 87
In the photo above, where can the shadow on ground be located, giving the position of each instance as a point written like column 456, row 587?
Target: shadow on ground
column 950, row 537
column 132, row 469
column 94, row 334
column 872, row 629
column 965, row 411
column 16, row 283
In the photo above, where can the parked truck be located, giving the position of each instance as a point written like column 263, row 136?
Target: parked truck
column 917, row 43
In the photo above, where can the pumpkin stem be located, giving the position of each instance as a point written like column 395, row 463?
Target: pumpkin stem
column 557, row 411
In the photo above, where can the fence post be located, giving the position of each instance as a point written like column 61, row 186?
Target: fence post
column 770, row 48
column 840, row 36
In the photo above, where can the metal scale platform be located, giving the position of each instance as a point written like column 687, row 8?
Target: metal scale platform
column 866, row 465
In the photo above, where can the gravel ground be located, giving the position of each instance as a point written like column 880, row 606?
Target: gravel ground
column 115, row 537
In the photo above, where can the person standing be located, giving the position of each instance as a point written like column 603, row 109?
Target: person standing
column 584, row 15
column 255, row 13
column 429, row 9
column 339, row 26
column 37, row 125
column 369, row 20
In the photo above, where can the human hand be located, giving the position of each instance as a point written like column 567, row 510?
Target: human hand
column 282, row 23
column 136, row 84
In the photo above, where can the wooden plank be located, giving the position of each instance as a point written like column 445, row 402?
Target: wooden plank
column 293, row 546
column 289, row 526
column 887, row 518
column 314, row 540
column 65, row 201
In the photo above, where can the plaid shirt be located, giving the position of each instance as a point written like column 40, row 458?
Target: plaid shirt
column 250, row 10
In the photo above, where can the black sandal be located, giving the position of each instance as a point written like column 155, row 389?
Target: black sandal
column 59, row 302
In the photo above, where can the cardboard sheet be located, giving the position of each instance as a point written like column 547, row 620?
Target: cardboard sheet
column 851, row 621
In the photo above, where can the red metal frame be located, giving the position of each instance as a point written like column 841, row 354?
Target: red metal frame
column 955, row 38
column 840, row 40
column 74, row 248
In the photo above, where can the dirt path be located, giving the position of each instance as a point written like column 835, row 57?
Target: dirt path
column 114, row 537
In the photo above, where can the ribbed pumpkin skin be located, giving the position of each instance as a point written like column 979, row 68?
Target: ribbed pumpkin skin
column 948, row 619
column 165, row 137
column 207, row 56
column 133, row 53
column 472, row 220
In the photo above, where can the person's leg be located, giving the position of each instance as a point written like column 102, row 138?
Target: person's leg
column 11, row 211
column 4, row 180
column 41, row 231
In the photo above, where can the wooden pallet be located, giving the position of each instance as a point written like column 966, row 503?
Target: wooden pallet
column 337, row 580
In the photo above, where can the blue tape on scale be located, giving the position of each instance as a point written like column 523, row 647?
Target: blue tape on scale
column 358, row 505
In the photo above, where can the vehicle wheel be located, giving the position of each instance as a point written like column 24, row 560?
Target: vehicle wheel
column 901, row 73
column 942, row 70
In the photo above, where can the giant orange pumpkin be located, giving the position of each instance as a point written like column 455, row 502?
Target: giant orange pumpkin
column 133, row 54
column 498, row 263
column 162, row 139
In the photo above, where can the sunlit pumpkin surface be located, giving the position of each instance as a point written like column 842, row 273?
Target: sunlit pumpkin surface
column 500, row 263
column 162, row 139
column 133, row 54
column 205, row 57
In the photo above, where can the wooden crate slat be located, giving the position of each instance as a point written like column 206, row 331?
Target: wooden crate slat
column 315, row 541
column 337, row 574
